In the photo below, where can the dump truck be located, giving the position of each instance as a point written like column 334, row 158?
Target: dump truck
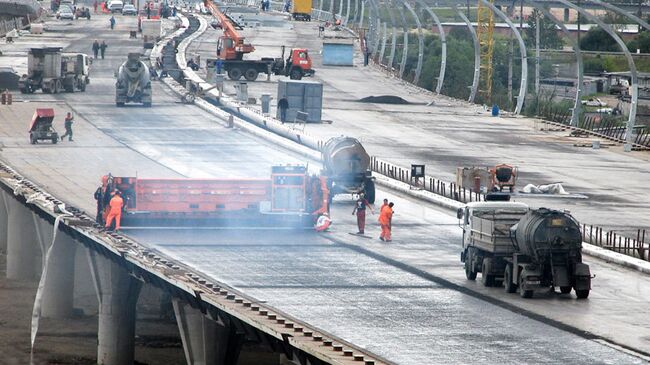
column 524, row 249
column 290, row 198
column 51, row 71
column 301, row 10
column 347, row 167
column 133, row 83
column 297, row 66
column 151, row 30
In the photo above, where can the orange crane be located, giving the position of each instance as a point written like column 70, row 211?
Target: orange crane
column 232, row 47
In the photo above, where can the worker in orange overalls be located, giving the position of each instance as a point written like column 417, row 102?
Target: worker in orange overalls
column 386, row 220
column 115, row 211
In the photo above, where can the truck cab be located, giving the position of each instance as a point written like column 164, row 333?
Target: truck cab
column 299, row 64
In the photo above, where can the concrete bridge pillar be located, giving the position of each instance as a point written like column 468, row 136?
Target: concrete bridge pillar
column 4, row 216
column 207, row 341
column 22, row 249
column 117, row 293
column 198, row 333
column 58, row 291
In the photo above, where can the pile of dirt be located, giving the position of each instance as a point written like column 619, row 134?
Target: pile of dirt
column 383, row 99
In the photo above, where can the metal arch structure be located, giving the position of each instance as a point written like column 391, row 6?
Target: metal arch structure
column 577, row 105
column 630, row 61
column 418, row 68
column 522, row 50
column 360, row 13
column 347, row 14
column 383, row 43
column 405, row 42
column 477, row 55
column 374, row 24
column 393, row 45
column 443, row 42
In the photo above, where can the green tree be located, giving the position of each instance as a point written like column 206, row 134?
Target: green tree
column 641, row 42
column 597, row 39
column 548, row 33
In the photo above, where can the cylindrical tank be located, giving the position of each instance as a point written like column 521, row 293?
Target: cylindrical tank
column 345, row 156
column 134, row 74
column 543, row 229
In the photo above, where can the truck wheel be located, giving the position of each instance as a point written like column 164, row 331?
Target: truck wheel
column 509, row 286
column 565, row 289
column 369, row 191
column 524, row 293
column 487, row 279
column 295, row 74
column 55, row 140
column 118, row 103
column 32, row 139
column 582, row 293
column 82, row 86
column 251, row 74
column 234, row 74
column 470, row 274
column 147, row 104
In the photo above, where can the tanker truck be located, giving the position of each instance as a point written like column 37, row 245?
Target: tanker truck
column 346, row 165
column 523, row 249
column 133, row 83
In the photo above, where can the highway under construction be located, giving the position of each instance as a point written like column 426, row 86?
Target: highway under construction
column 238, row 245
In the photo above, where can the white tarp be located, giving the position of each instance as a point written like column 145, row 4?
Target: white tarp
column 554, row 189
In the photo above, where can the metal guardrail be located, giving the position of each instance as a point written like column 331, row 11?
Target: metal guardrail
column 428, row 183
column 635, row 247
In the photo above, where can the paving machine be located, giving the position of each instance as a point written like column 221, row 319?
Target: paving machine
column 289, row 198
column 41, row 129
column 133, row 83
column 524, row 249
column 50, row 70
column 347, row 167
column 231, row 48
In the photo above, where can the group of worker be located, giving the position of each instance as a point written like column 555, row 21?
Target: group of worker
column 99, row 48
column 385, row 217
column 113, row 200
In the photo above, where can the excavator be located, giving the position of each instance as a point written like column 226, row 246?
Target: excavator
column 232, row 47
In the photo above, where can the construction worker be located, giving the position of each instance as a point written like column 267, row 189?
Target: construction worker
column 99, row 196
column 115, row 211
column 102, row 48
column 67, row 124
column 283, row 105
column 360, row 210
column 95, row 48
column 386, row 220
column 112, row 20
column 95, row 4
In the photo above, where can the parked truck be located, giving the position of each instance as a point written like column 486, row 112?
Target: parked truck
column 525, row 249
column 297, row 66
column 151, row 30
column 133, row 83
column 347, row 167
column 301, row 10
column 52, row 71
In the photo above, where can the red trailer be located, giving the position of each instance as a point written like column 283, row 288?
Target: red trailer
column 290, row 198
column 41, row 127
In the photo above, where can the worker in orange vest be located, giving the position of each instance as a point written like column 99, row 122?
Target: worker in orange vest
column 115, row 211
column 386, row 220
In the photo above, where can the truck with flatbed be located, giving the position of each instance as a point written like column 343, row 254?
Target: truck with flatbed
column 523, row 249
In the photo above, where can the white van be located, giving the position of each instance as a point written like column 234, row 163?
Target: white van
column 115, row 6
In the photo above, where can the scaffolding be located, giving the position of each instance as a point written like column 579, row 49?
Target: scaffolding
column 485, row 33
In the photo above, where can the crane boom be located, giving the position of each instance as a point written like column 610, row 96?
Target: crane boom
column 231, row 45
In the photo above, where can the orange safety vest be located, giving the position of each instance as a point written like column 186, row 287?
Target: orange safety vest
column 116, row 204
column 385, row 215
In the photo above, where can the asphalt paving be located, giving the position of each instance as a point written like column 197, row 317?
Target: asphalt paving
column 364, row 300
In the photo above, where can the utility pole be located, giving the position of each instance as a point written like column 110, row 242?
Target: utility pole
column 578, row 24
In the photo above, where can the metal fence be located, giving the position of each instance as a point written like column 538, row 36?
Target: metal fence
column 635, row 247
column 428, row 183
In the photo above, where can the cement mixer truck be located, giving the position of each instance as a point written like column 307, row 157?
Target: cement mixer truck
column 133, row 83
column 347, row 167
column 525, row 249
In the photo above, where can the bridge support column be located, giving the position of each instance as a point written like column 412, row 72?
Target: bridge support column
column 58, row 292
column 198, row 333
column 22, row 247
column 4, row 216
column 117, row 293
